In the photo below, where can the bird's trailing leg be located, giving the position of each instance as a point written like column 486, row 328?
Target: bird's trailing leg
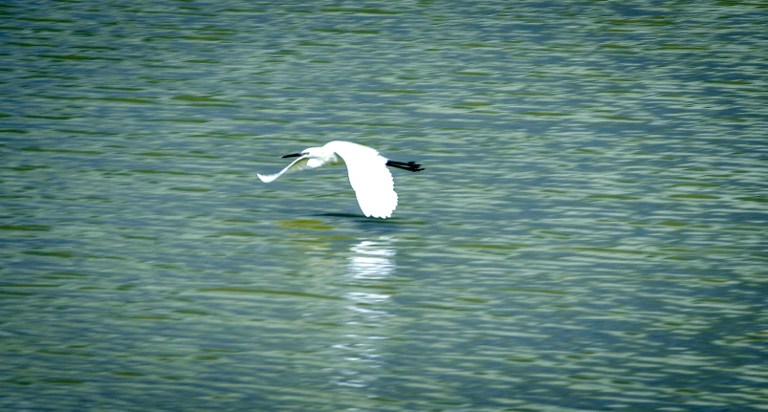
column 411, row 166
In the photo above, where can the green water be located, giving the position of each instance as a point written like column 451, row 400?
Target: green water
column 589, row 232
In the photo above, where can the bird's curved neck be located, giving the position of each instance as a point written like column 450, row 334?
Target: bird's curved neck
column 327, row 159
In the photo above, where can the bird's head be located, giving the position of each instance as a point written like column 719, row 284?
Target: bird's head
column 311, row 152
column 317, row 156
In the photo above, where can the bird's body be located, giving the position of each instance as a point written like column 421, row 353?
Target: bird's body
column 367, row 170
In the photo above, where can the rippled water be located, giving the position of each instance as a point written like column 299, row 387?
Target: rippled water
column 590, row 232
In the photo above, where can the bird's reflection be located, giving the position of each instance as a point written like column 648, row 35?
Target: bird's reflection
column 370, row 264
column 372, row 259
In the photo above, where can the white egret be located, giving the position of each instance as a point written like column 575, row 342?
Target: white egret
column 367, row 170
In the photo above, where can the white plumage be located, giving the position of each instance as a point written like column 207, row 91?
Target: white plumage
column 367, row 170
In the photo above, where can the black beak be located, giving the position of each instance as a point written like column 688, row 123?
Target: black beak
column 292, row 155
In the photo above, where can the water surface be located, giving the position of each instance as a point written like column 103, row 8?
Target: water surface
column 590, row 232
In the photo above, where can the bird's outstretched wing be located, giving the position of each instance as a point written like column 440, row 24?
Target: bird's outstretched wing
column 369, row 177
column 295, row 166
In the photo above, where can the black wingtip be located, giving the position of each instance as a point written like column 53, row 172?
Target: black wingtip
column 410, row 166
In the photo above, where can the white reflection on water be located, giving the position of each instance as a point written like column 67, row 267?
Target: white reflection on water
column 372, row 259
column 370, row 262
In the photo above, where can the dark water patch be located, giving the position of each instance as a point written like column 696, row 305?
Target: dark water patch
column 265, row 291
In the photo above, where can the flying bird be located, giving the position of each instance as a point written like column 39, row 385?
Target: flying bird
column 367, row 170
